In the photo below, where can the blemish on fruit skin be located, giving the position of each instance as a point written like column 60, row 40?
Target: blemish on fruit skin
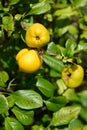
column 37, row 38
column 68, row 76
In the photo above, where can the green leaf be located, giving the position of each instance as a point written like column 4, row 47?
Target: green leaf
column 65, row 115
column 85, row 127
column 45, row 87
column 8, row 24
column 17, row 17
column 79, row 3
column 70, row 47
column 84, row 35
column 11, row 101
column 13, row 2
column 62, row 31
column 71, row 95
column 55, row 103
column 81, row 47
column 40, row 8
column 1, row 7
column 76, row 123
column 85, row 18
column 73, row 30
column 83, row 26
column 83, row 114
column 61, row 86
column 26, row 23
column 83, row 97
column 4, row 77
column 65, row 12
column 1, row 33
column 54, row 74
column 53, row 62
column 37, row 127
column 53, row 49
column 12, row 124
column 25, row 117
column 3, row 104
column 62, row 51
column 27, row 99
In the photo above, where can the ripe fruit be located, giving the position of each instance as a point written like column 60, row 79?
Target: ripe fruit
column 28, row 60
column 37, row 36
column 73, row 76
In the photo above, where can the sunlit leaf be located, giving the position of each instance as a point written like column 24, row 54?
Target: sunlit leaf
column 12, row 124
column 85, row 127
column 76, row 123
column 79, row 3
column 52, row 49
column 71, row 95
column 65, row 115
column 70, row 47
column 82, row 25
column 84, row 35
column 65, row 12
column 40, row 8
column 10, row 100
column 72, row 29
column 81, row 47
column 61, row 86
column 27, row 99
column 25, row 117
column 8, row 24
column 38, row 127
column 62, row 31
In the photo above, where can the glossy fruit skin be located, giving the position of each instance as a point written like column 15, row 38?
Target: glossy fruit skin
column 73, row 76
column 28, row 60
column 37, row 36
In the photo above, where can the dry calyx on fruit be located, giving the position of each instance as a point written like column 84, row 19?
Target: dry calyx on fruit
column 73, row 76
column 28, row 60
column 37, row 36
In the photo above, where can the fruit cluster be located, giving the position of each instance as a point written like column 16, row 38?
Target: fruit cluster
column 36, row 36
column 30, row 61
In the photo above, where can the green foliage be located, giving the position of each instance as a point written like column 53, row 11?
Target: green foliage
column 55, row 103
column 27, row 99
column 45, row 87
column 7, row 24
column 12, row 124
column 40, row 8
column 4, row 77
column 53, row 63
column 42, row 101
column 64, row 115
column 25, row 117
column 4, row 104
